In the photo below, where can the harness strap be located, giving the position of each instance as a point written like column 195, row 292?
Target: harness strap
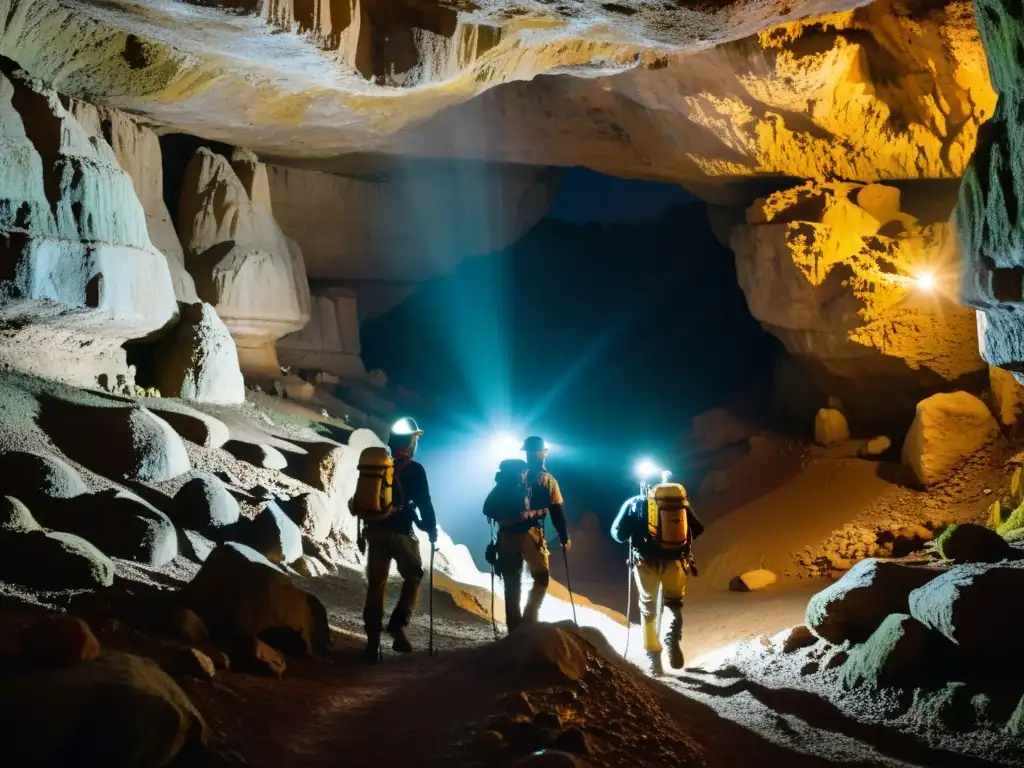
column 531, row 514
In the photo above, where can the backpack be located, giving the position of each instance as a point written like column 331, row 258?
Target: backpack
column 375, row 499
column 510, row 497
column 667, row 523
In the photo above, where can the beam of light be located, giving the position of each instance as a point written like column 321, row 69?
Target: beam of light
column 504, row 446
column 926, row 282
column 645, row 468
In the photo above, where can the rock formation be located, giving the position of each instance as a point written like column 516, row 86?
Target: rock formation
column 330, row 342
column 137, row 150
column 80, row 274
column 199, row 360
column 834, row 271
column 988, row 216
column 241, row 261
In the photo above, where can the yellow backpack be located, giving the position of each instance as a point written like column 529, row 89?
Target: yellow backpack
column 666, row 516
column 374, row 499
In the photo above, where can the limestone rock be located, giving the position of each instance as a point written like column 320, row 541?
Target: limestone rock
column 296, row 388
column 199, row 360
column 241, row 596
column 135, row 443
column 272, row 534
column 314, row 514
column 876, row 446
column 798, row 637
column 330, row 342
column 191, row 662
column 718, row 428
column 1007, row 395
column 948, row 428
column 752, row 581
column 15, row 517
column 310, row 567
column 970, row 543
column 855, row 606
column 895, row 653
column 815, row 268
column 185, row 624
column 204, row 503
column 118, row 709
column 137, row 150
column 192, row 425
column 37, row 478
column 322, row 465
column 830, row 427
column 81, row 274
column 971, row 605
column 259, row 658
column 241, row 261
column 120, row 523
column 542, row 649
column 53, row 561
column 257, row 454
column 58, row 641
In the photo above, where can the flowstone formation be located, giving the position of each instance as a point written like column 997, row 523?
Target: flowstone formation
column 988, row 216
column 843, row 276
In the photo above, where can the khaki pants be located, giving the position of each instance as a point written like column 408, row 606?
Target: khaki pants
column 514, row 549
column 383, row 546
column 670, row 578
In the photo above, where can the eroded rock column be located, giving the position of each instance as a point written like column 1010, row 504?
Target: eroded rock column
column 330, row 342
column 241, row 261
column 79, row 274
column 989, row 216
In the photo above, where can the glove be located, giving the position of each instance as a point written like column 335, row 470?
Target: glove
column 567, row 545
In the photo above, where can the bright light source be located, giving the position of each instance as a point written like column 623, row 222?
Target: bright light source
column 645, row 468
column 665, row 475
column 926, row 281
column 405, row 426
column 505, row 445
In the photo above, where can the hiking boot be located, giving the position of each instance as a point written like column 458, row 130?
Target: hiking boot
column 373, row 653
column 674, row 638
column 676, row 660
column 653, row 666
column 401, row 644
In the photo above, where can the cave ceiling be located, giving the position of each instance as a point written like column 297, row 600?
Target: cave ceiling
column 702, row 95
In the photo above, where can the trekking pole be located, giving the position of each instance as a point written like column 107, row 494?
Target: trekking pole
column 430, row 646
column 568, row 584
column 629, row 595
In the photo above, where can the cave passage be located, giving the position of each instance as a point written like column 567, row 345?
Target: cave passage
column 604, row 329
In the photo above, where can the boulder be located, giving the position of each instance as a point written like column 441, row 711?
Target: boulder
column 796, row 638
column 947, row 429
column 830, row 427
column 58, row 641
column 198, row 361
column 15, row 517
column 120, row 523
column 194, row 426
column 272, row 534
column 191, row 662
column 322, row 464
column 310, row 567
column 974, row 606
column 118, row 709
column 242, row 596
column 876, row 446
column 855, row 606
column 53, row 561
column 33, row 477
column 187, row 625
column 203, row 503
column 242, row 263
column 718, row 428
column 81, row 275
column 257, row 454
column 257, row 657
column 313, row 513
column 970, row 543
column 135, row 444
column 1007, row 395
column 552, row 652
column 751, row 581
column 895, row 653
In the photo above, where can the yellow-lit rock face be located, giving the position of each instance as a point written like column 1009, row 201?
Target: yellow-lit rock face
column 894, row 90
column 844, row 277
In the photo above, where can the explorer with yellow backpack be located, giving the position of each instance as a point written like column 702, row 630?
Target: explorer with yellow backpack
column 659, row 525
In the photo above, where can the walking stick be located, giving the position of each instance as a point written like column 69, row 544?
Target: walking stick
column 568, row 584
column 430, row 646
column 629, row 594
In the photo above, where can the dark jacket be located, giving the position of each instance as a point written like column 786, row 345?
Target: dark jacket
column 544, row 498
column 631, row 523
column 411, row 485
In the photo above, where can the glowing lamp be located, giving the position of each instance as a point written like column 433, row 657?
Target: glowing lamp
column 406, row 426
column 926, row 281
column 665, row 475
column 505, row 445
column 645, row 468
